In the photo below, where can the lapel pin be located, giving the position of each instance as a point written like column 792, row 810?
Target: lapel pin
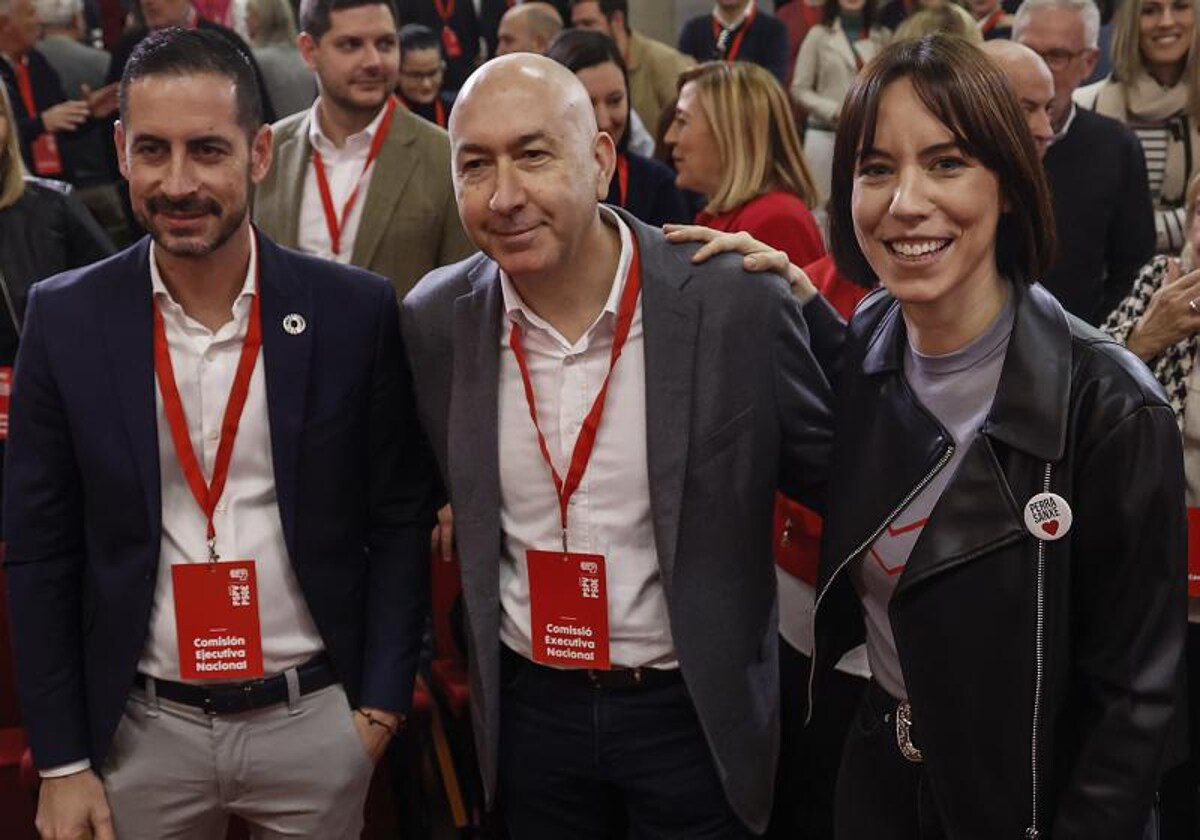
column 1048, row 516
column 294, row 324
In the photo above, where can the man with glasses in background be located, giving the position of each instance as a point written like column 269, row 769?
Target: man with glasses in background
column 1097, row 174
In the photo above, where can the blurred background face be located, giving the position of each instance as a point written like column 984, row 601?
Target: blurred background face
column 1165, row 30
column 851, row 5
column 694, row 150
column 160, row 14
column 514, row 35
column 421, row 73
column 589, row 16
column 20, row 27
column 1057, row 35
column 357, row 61
column 605, row 84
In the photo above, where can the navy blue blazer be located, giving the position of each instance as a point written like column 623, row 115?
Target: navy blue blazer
column 82, row 497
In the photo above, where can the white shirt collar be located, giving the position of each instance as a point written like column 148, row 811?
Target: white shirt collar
column 361, row 139
column 241, row 303
column 515, row 308
column 1066, row 125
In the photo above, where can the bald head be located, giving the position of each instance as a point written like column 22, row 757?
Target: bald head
column 529, row 27
column 1031, row 81
column 532, row 77
column 530, row 166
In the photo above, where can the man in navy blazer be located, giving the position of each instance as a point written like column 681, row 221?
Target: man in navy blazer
column 109, row 539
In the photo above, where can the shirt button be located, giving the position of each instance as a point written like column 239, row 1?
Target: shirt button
column 570, row 360
column 214, row 436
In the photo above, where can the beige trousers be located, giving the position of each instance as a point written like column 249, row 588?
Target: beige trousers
column 297, row 769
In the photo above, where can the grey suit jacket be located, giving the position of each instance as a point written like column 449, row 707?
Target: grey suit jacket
column 736, row 407
column 410, row 223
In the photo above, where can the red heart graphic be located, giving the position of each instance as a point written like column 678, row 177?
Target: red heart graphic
column 1050, row 527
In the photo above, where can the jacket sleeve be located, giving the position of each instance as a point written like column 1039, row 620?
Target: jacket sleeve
column 804, row 406
column 1128, row 623
column 1131, row 231
column 805, row 81
column 401, row 514
column 44, row 559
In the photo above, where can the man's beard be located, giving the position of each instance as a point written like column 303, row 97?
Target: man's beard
column 346, row 103
column 157, row 204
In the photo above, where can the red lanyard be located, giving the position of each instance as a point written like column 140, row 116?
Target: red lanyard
column 586, row 440
column 439, row 110
column 25, row 86
column 445, row 10
column 731, row 53
column 622, row 179
column 990, row 22
column 207, row 494
column 332, row 221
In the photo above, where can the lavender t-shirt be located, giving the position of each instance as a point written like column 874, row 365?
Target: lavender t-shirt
column 956, row 388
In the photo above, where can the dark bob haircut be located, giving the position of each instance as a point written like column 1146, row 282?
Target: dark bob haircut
column 972, row 98
column 579, row 49
column 193, row 52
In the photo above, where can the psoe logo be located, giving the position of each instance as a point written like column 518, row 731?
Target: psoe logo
column 242, row 575
column 589, row 566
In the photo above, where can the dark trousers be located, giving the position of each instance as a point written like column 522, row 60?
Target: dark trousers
column 809, row 755
column 582, row 762
column 1179, row 798
column 880, row 794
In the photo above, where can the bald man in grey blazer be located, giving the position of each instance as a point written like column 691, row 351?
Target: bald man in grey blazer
column 714, row 403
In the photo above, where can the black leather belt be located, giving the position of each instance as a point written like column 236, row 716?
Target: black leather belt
column 618, row 678
column 231, row 698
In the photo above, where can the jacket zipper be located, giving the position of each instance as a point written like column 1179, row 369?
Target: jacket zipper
column 912, row 494
column 1032, row 832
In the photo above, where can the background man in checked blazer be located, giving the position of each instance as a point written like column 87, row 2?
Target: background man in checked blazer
column 357, row 178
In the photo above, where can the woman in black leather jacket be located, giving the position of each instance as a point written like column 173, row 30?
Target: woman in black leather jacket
column 44, row 229
column 1006, row 519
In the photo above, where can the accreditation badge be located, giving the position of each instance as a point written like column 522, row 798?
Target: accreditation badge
column 216, row 620
column 46, row 158
column 568, row 605
column 6, row 375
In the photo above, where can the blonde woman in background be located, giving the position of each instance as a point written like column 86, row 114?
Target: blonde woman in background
column 1155, row 90
column 271, row 28
column 944, row 17
column 832, row 54
column 733, row 141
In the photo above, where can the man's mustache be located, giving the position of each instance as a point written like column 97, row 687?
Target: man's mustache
column 191, row 205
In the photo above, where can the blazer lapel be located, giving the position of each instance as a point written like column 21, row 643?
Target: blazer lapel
column 286, row 360
column 292, row 162
column 393, row 169
column 129, row 333
column 473, row 460
column 671, row 323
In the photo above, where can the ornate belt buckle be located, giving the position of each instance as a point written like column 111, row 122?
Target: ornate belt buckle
column 904, row 733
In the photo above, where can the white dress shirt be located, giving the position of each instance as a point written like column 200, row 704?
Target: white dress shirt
column 247, row 515
column 342, row 168
column 609, row 513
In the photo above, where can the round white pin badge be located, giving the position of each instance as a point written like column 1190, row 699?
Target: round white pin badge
column 1048, row 516
column 294, row 324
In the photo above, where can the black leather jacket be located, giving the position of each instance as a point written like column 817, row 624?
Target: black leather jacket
column 1042, row 676
column 46, row 231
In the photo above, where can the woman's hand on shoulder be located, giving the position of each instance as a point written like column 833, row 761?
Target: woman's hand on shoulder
column 1172, row 315
column 756, row 256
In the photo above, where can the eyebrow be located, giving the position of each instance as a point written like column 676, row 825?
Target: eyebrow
column 522, row 141
column 935, row 149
